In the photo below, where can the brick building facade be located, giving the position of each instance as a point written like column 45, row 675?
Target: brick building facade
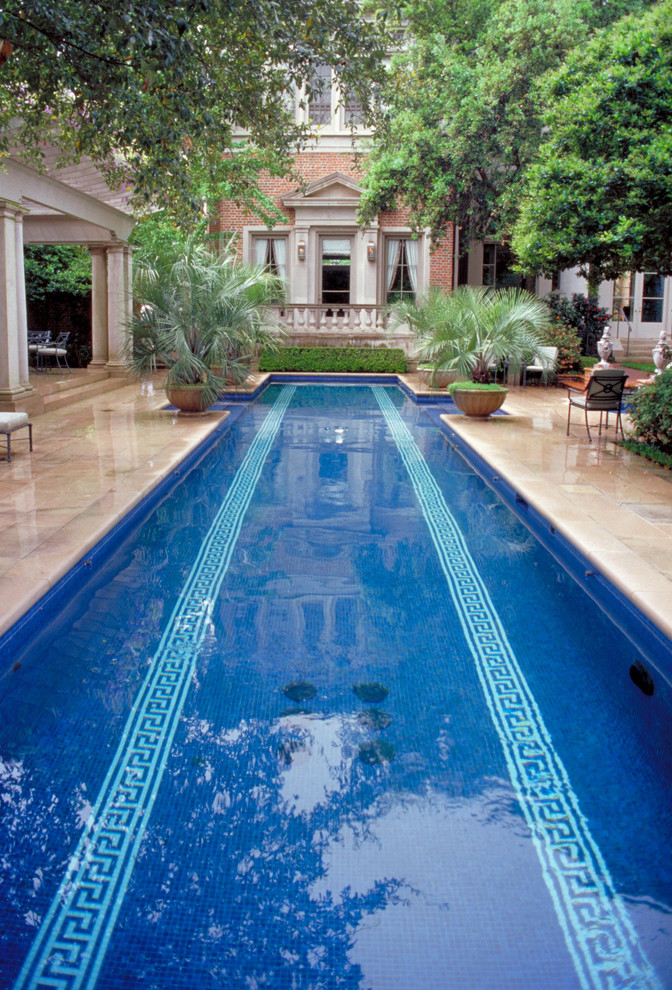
column 339, row 277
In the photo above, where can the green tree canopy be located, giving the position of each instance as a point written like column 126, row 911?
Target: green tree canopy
column 153, row 92
column 600, row 194
column 57, row 268
column 464, row 116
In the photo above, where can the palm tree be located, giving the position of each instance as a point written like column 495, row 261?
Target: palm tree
column 202, row 316
column 474, row 328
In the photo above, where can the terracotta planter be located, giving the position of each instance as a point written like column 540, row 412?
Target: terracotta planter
column 478, row 402
column 188, row 398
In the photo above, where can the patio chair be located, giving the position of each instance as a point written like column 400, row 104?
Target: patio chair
column 11, row 421
column 604, row 395
column 543, row 365
column 37, row 339
column 55, row 349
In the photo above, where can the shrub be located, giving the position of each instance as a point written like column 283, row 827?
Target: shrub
column 371, row 360
column 583, row 315
column 589, row 362
column 568, row 342
column 651, row 412
column 647, row 451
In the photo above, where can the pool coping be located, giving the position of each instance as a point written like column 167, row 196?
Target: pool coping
column 586, row 568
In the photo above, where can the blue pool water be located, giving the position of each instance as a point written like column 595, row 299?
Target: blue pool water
column 172, row 817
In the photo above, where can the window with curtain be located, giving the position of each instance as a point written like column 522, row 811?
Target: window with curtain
column 271, row 253
column 401, row 275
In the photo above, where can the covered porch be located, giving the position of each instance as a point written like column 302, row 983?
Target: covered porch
column 63, row 206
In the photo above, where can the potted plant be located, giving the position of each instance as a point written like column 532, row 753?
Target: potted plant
column 471, row 332
column 202, row 316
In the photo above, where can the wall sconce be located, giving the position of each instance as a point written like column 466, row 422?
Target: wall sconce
column 371, row 251
column 301, row 250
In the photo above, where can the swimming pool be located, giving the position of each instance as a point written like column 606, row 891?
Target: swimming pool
column 180, row 809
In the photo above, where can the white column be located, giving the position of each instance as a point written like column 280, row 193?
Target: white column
column 367, row 282
column 128, row 277
column 118, row 292
column 10, row 380
column 301, row 269
column 99, row 351
column 21, row 315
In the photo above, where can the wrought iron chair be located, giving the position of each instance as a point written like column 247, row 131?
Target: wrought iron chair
column 37, row 339
column 55, row 349
column 604, row 395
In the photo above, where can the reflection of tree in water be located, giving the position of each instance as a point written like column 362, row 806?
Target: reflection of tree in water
column 491, row 530
column 436, row 698
column 258, row 806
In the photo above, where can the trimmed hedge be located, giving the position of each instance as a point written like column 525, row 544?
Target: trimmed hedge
column 365, row 360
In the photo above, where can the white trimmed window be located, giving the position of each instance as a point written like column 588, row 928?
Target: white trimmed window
column 497, row 267
column 271, row 253
column 319, row 104
column 653, row 296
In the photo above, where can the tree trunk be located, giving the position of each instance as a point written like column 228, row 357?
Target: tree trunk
column 593, row 282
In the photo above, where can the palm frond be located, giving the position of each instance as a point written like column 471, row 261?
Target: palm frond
column 201, row 315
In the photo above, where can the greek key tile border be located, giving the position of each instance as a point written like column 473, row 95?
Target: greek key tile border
column 601, row 939
column 70, row 946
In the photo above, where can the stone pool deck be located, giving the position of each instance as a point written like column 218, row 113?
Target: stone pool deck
column 95, row 458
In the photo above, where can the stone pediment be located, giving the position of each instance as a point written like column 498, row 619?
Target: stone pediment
column 336, row 189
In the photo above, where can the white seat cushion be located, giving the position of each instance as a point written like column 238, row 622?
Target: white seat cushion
column 12, row 421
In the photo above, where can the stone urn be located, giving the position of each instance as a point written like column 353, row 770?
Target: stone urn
column 479, row 402
column 604, row 348
column 662, row 353
column 435, row 379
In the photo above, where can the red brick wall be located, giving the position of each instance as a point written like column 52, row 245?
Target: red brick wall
column 441, row 262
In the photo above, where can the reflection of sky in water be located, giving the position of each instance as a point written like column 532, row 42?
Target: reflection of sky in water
column 313, row 764
column 457, row 870
column 449, row 867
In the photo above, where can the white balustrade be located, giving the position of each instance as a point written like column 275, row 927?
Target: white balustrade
column 317, row 319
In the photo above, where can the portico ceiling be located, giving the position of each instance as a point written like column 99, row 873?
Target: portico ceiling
column 66, row 206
